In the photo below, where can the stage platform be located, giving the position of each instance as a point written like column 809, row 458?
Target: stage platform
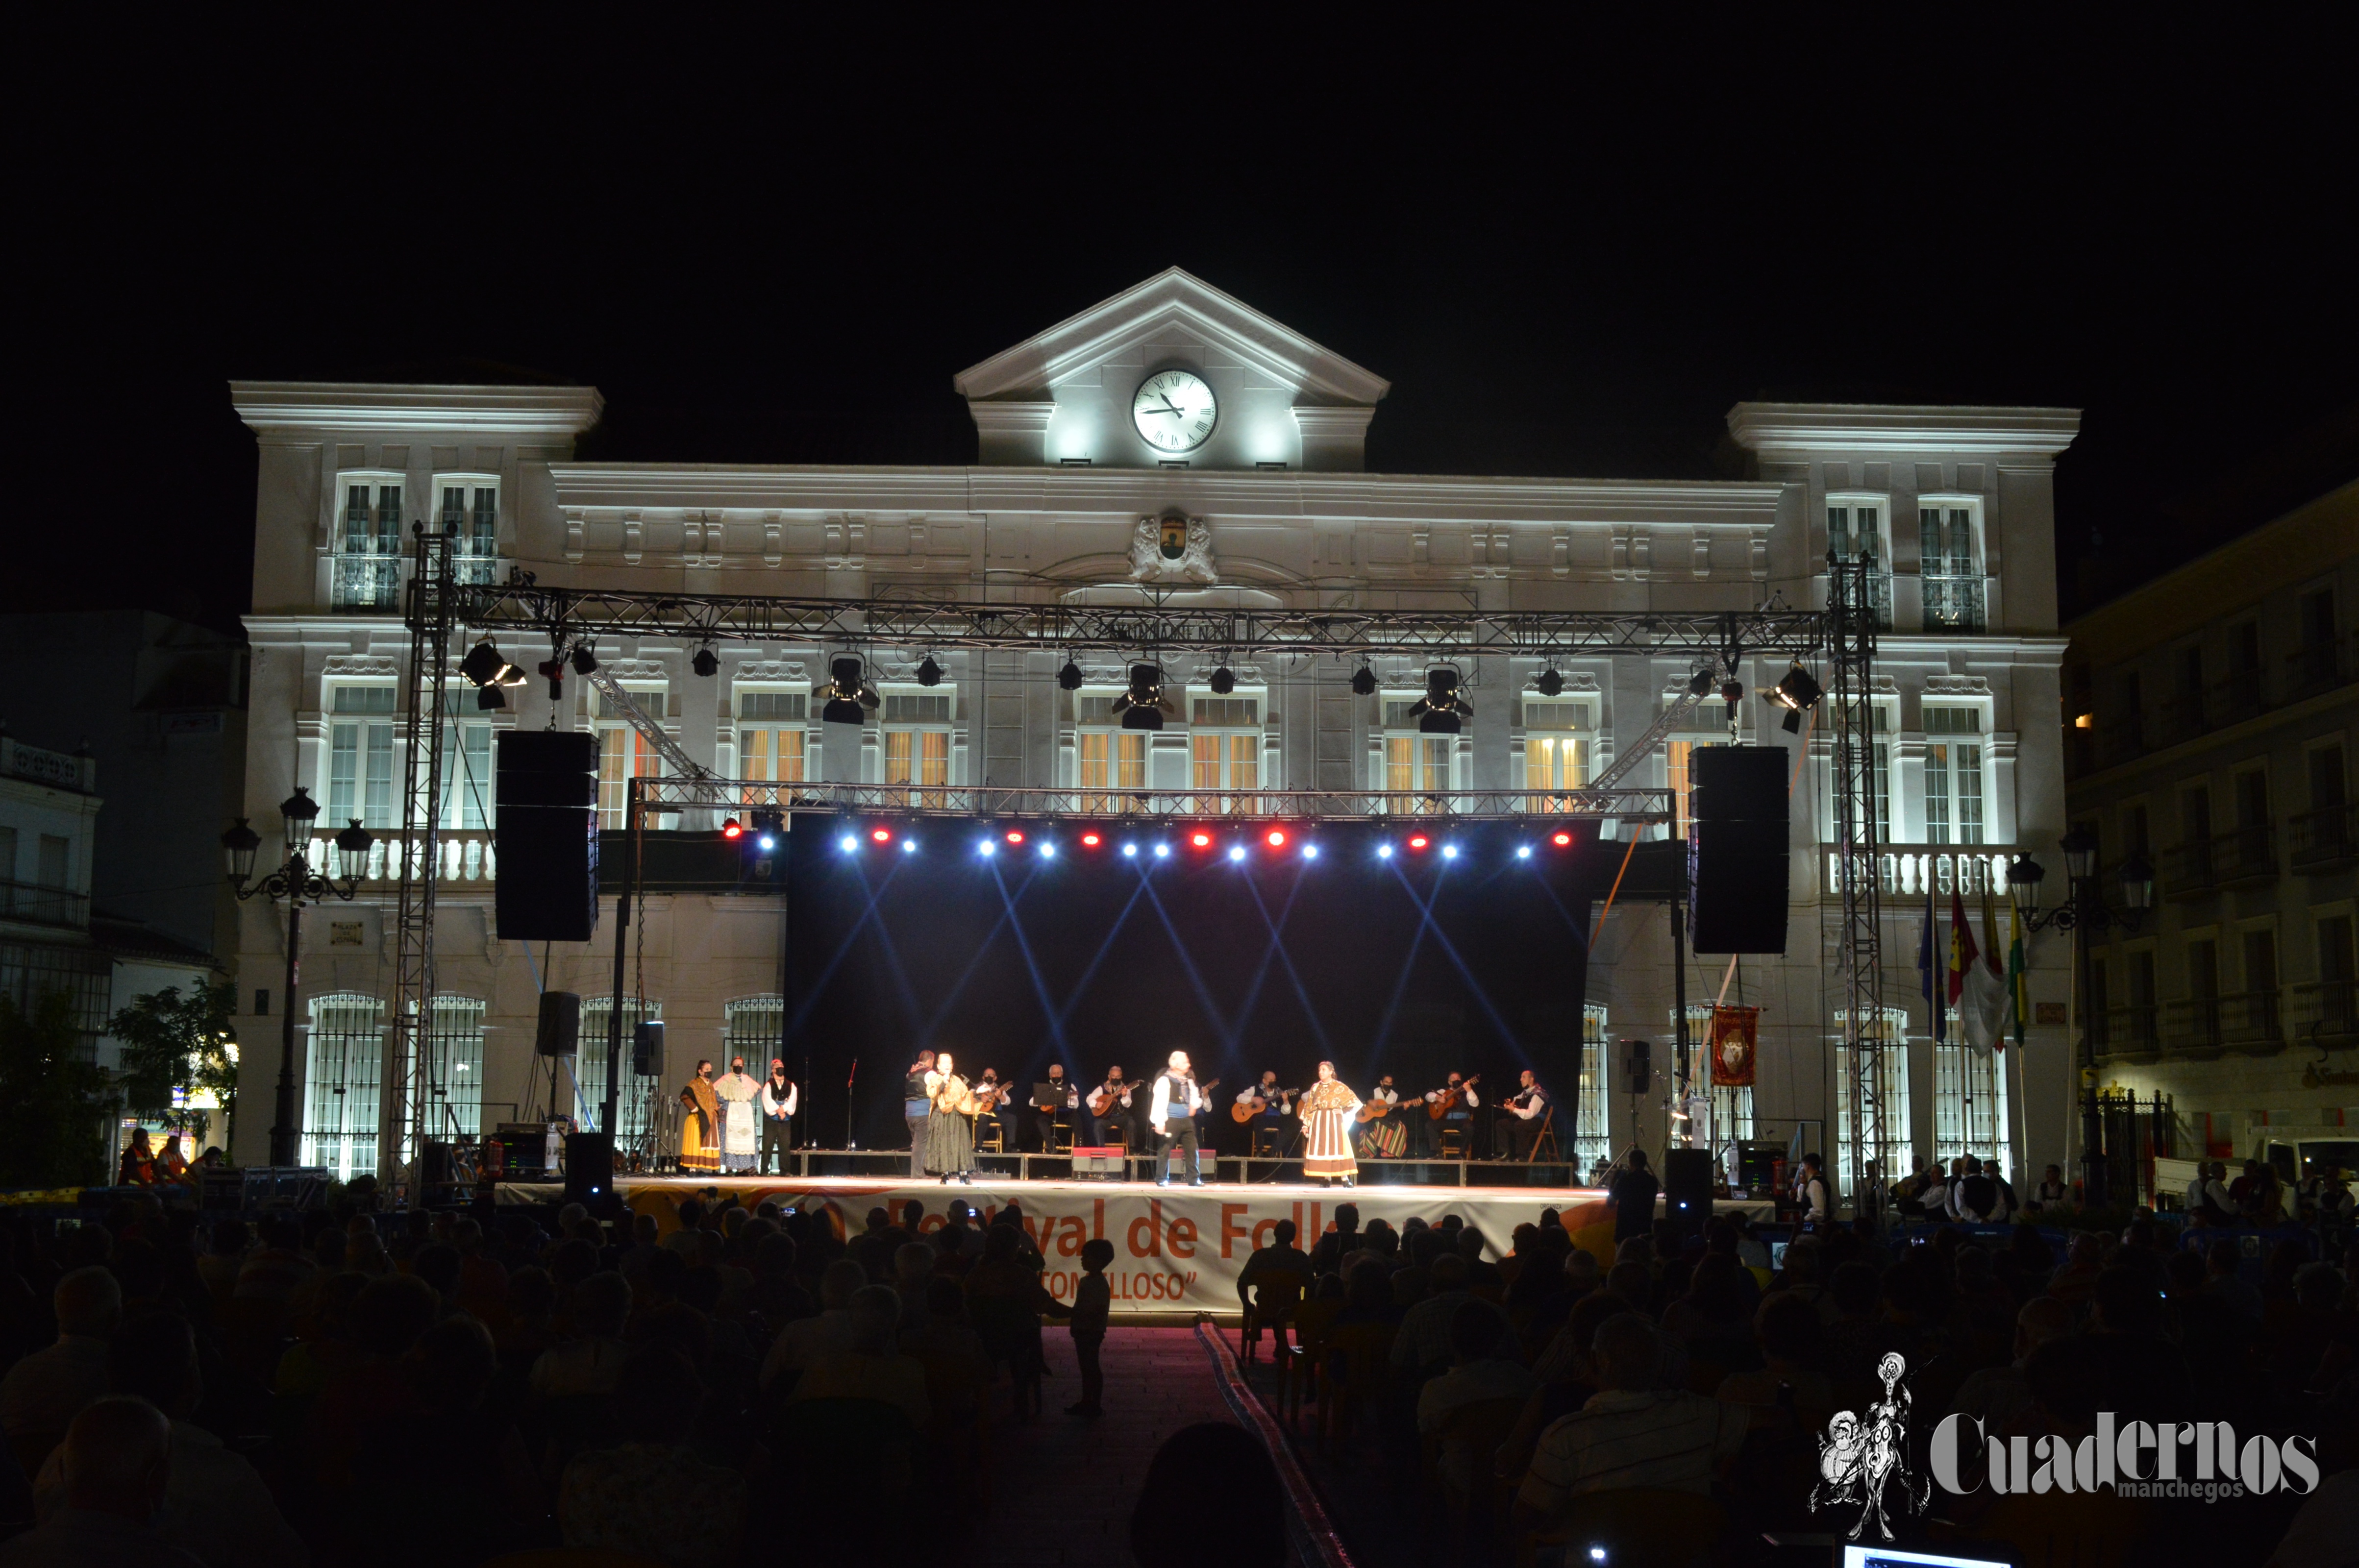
column 1175, row 1247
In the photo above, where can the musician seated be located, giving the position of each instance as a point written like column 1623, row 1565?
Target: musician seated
column 1118, row 1097
column 1463, row 1102
column 1045, row 1118
column 1523, row 1114
column 1270, row 1107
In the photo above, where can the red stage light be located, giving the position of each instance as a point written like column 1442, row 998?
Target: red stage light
column 882, row 834
column 1417, row 840
column 1562, row 840
column 1090, row 840
column 732, row 829
column 1274, row 839
column 1015, row 835
column 1201, row 840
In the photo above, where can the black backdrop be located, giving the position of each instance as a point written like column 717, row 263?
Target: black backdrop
column 1414, row 966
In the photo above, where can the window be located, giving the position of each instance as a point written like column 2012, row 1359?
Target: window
column 624, row 753
column 360, row 757
column 368, row 543
column 454, row 1068
column 1589, row 1144
column 1880, row 775
column 1888, row 1098
column 636, row 1094
column 1224, row 750
column 753, row 1028
column 1855, row 533
column 916, row 729
column 1953, row 775
column 2314, row 660
column 1105, row 756
column 468, row 781
column 1555, row 757
column 772, row 727
column 1970, row 1106
column 346, row 1065
column 1949, row 567
column 1414, row 763
column 471, row 515
column 57, row 861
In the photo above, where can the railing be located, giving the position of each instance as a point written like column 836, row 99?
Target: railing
column 1953, row 603
column 1909, row 872
column 2325, row 1010
column 2318, row 667
column 36, row 906
column 2244, row 855
column 2240, row 1020
column 467, row 855
column 2128, row 1030
column 2241, row 695
column 471, row 571
column 675, row 793
column 2120, row 740
column 2183, row 717
column 2327, row 836
column 2186, row 869
column 368, row 582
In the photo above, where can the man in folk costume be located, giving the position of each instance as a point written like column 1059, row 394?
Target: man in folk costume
column 738, row 1090
column 779, row 1094
column 699, row 1129
column 1328, row 1108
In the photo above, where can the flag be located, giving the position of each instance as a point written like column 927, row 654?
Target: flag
column 1925, row 967
column 2018, row 994
column 1983, row 1016
column 1962, row 946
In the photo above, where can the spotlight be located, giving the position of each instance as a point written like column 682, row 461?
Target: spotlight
column 1309, row 851
column 1236, row 851
column 1091, row 840
column 1441, row 711
column 485, row 666
column 847, row 696
column 1364, row 681
column 1796, row 693
column 1550, row 682
column 930, row 673
column 1130, row 852
column 1143, row 705
column 585, row 663
column 848, row 843
column 1418, row 841
column 1275, row 838
column 1699, row 683
column 1223, row 681
column 1384, row 852
column 1449, row 851
column 1561, row 840
column 881, row 835
column 1200, row 839
column 1016, row 835
column 1523, row 852
column 490, row 698
column 732, row 829
column 1047, row 849
column 1069, row 677
column 986, row 847
column 767, row 842
column 909, row 845
column 1162, row 850
column 705, row 662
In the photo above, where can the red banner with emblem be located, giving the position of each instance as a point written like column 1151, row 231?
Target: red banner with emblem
column 1732, row 1035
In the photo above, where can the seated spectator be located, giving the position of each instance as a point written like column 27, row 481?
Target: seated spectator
column 1170, row 1528
column 1421, row 1347
column 871, row 1365
column 592, row 1363
column 272, row 1272
column 1631, row 1433
column 805, row 1340
column 2072, row 1283
column 912, row 1276
column 1281, row 1256
column 1976, row 1197
column 43, row 1392
column 2001, row 1396
column 652, row 1497
column 2312, row 1347
column 1788, row 1332
column 114, row 1476
column 2052, row 1193
column 224, row 1255
column 1482, row 1367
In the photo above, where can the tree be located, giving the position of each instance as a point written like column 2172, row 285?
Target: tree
column 52, row 1100
column 176, row 1044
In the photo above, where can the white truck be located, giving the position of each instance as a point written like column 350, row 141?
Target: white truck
column 2295, row 1155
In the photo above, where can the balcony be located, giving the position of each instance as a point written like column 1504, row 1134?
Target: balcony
column 2244, row 855
column 1907, row 873
column 2119, row 741
column 368, row 582
column 467, row 857
column 2325, row 840
column 2187, row 871
column 1953, row 603
column 32, row 904
column 2206, row 1026
column 2326, row 1012
column 2241, row 695
column 2183, row 717
column 2128, row 1032
column 2320, row 667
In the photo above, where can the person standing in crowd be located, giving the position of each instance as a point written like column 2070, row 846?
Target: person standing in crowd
column 739, row 1135
column 1810, row 1190
column 949, row 1141
column 2052, row 1193
column 916, row 1108
column 1328, row 1107
column 1173, row 1110
column 1632, row 1198
column 1093, row 1304
column 779, row 1095
column 699, row 1129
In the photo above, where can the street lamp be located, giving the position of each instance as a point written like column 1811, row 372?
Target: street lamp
column 298, row 884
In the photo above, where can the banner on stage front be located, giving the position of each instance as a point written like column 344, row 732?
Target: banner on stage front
column 1734, row 1031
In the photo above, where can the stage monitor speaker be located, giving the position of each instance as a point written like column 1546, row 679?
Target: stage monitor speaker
column 647, row 1047
column 560, row 1029
column 546, row 835
column 1737, row 849
column 588, row 1168
column 1636, row 1063
column 1687, row 1185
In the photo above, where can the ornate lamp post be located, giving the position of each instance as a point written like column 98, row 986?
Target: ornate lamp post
column 298, row 884
column 2086, row 915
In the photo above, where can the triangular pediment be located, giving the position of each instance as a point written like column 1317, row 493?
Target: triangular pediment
column 1173, row 309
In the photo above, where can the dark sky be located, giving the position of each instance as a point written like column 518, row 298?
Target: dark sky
column 1570, row 249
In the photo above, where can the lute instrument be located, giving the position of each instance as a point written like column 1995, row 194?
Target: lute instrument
column 1102, row 1098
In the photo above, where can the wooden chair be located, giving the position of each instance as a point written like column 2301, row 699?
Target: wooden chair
column 1361, row 1355
column 1314, row 1324
column 1060, row 1138
column 1546, row 1139
column 1268, row 1143
column 1276, row 1297
column 1450, row 1143
column 1644, row 1525
column 989, row 1137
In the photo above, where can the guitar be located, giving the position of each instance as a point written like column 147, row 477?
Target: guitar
column 1449, row 1097
column 987, row 1100
column 1245, row 1110
column 1101, row 1101
column 1374, row 1108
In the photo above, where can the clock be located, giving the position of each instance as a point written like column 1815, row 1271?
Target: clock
column 1174, row 411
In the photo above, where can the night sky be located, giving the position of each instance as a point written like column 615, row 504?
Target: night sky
column 1570, row 250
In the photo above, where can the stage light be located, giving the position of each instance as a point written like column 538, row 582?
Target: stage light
column 1274, row 839
column 1047, row 849
column 1441, row 711
column 1236, row 851
column 908, row 845
column 1364, row 681
column 1309, row 851
column 1091, row 840
column 485, row 666
column 1143, row 704
column 1419, row 841
column 847, row 696
column 585, row 663
column 1797, row 692
column 491, row 698
column 1449, row 851
column 986, row 847
column 1162, row 851
column 767, row 841
column 1384, row 852
column 1130, row 852
column 1016, row 835
column 1550, row 682
column 705, row 662
column 881, row 835
column 1523, row 852
column 1201, row 839
column 848, row 843
column 930, row 673
column 555, row 670
column 1561, row 840
column 732, row 829
column 1223, row 681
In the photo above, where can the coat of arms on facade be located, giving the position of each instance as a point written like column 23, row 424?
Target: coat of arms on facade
column 1172, row 550
column 1859, row 1458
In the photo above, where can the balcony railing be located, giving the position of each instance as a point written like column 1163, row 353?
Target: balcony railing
column 2127, row 1031
column 1953, row 603
column 2187, row 871
column 1906, row 871
column 467, row 855
column 2239, row 697
column 2119, row 741
column 368, row 582
column 2183, row 717
column 2238, row 1021
column 2247, row 854
column 2318, row 667
column 2322, row 839
column 36, row 906
column 2325, row 1010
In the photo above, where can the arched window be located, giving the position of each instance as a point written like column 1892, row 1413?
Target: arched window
column 454, row 1068
column 344, row 1079
column 635, row 1094
column 752, row 1030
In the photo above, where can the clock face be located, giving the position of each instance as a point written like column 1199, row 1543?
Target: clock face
column 1174, row 410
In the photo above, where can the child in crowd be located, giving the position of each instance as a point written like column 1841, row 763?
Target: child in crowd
column 1093, row 1302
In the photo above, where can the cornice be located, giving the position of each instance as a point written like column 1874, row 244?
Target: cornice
column 292, row 407
column 1884, row 428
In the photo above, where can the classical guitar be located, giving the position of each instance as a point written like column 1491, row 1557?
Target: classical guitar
column 1247, row 1110
column 1447, row 1099
column 986, row 1101
column 1374, row 1108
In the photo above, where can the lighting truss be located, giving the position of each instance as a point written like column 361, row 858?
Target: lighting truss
column 1407, row 808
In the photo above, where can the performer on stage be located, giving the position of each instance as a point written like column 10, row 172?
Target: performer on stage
column 1045, row 1118
column 1524, row 1112
column 1267, row 1126
column 950, row 1142
column 1173, row 1110
column 1464, row 1104
column 738, row 1091
column 699, row 1129
column 1382, row 1130
column 996, row 1115
column 779, row 1094
column 1115, row 1094
column 916, row 1109
column 1327, row 1110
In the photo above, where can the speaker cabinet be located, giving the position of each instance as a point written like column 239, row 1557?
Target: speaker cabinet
column 1737, row 849
column 1687, row 1185
column 647, row 1047
column 1634, row 1067
column 589, row 1169
column 546, row 835
column 558, row 1032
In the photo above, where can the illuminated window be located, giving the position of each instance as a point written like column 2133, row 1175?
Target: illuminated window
column 1106, row 757
column 1888, row 1146
column 1855, row 532
column 1732, row 1107
column 624, row 753
column 1414, row 763
column 345, row 1068
column 1225, row 750
column 1556, row 753
column 1949, row 566
column 637, row 1094
column 360, row 757
column 752, row 1028
column 1953, row 774
column 1970, row 1106
column 917, row 731
column 471, row 514
column 771, row 731
column 369, row 543
column 1589, row 1144
column 454, row 1068
column 467, row 782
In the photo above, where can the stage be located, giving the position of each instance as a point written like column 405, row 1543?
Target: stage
column 1177, row 1247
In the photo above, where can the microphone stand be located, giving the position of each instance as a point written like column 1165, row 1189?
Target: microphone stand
column 851, row 1127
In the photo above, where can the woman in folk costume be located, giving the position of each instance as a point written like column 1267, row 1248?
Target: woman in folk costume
column 699, row 1129
column 949, row 1138
column 737, row 1124
column 1328, row 1108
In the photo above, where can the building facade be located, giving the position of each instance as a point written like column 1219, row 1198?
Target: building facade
column 2214, row 713
column 1171, row 411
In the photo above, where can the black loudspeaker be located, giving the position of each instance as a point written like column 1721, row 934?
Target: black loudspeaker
column 588, row 1168
column 647, row 1047
column 1636, row 1061
column 1737, row 848
column 559, row 1031
column 546, row 835
column 1687, row 1184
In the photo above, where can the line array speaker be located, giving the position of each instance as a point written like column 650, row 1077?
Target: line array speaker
column 1737, row 848
column 546, row 835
